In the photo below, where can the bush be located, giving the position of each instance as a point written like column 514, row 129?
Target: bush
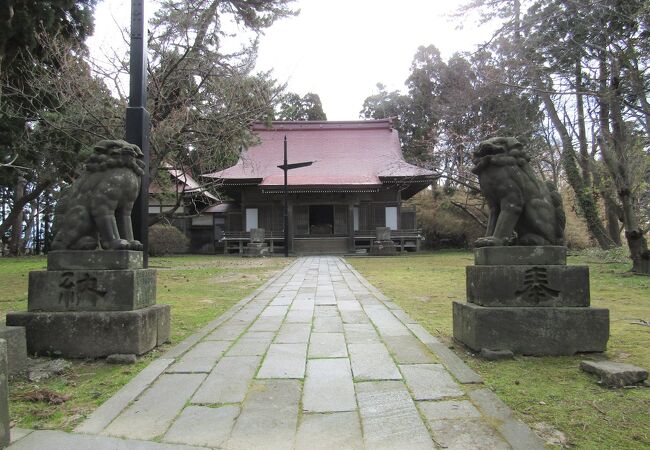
column 443, row 224
column 598, row 255
column 166, row 240
column 576, row 234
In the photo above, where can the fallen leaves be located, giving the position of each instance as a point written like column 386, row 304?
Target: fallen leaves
column 44, row 395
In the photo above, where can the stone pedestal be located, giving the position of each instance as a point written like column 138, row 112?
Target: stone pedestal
column 257, row 246
column 527, row 300
column 383, row 245
column 16, row 348
column 4, row 397
column 93, row 304
column 254, row 249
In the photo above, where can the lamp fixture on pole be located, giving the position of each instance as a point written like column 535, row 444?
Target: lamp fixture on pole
column 286, row 167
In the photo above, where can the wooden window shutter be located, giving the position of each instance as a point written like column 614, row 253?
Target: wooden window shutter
column 340, row 219
column 301, row 219
column 364, row 217
column 379, row 216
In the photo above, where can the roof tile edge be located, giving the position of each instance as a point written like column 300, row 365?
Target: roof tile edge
column 324, row 125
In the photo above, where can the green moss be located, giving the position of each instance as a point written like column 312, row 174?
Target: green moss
column 199, row 289
column 552, row 389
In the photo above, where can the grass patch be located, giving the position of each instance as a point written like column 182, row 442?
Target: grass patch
column 551, row 390
column 198, row 288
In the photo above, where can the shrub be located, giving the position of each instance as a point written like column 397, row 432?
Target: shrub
column 576, row 234
column 166, row 240
column 443, row 224
column 598, row 255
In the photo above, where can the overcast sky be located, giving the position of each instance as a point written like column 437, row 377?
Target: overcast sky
column 339, row 49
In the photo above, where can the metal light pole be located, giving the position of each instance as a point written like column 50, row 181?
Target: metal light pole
column 137, row 120
column 286, row 168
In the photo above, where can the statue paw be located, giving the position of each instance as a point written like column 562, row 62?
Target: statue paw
column 135, row 245
column 117, row 244
column 489, row 241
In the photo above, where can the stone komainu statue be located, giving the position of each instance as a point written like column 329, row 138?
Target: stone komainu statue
column 97, row 207
column 520, row 203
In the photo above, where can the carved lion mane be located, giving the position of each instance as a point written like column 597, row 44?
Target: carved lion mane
column 97, row 207
column 523, row 209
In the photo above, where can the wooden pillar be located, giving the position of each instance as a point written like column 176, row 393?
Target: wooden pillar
column 399, row 209
column 350, row 206
column 291, row 226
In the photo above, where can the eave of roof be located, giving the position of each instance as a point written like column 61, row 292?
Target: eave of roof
column 350, row 153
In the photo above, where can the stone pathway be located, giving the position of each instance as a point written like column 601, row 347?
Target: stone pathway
column 315, row 359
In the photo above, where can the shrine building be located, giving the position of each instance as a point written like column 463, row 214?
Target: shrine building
column 357, row 182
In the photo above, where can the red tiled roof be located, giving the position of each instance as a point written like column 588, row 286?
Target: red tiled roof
column 357, row 153
column 219, row 208
column 183, row 182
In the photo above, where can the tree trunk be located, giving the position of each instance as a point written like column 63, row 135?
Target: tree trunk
column 584, row 194
column 37, row 234
column 636, row 81
column 17, row 207
column 582, row 129
column 47, row 222
column 17, row 219
column 30, row 221
column 5, row 201
column 613, row 211
column 614, row 156
column 613, row 221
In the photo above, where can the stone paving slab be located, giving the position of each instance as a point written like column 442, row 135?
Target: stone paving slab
column 228, row 382
column 151, row 415
column 372, row 362
column 269, row 416
column 430, row 382
column 328, row 386
column 58, row 440
column 340, row 431
column 354, row 317
column 203, row 426
column 327, row 345
column 201, row 358
column 227, row 332
column 516, row 432
column 293, row 333
column 303, row 302
column 464, row 434
column 253, row 343
column 461, row 371
column 18, row 433
column 112, row 407
column 408, row 350
column 403, row 317
column 389, row 417
column 448, row 409
column 422, row 334
column 275, row 311
column 284, row 361
column 300, row 316
column 328, row 324
column 267, row 323
column 326, row 311
column 281, row 301
column 360, row 333
column 387, row 324
column 325, row 299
